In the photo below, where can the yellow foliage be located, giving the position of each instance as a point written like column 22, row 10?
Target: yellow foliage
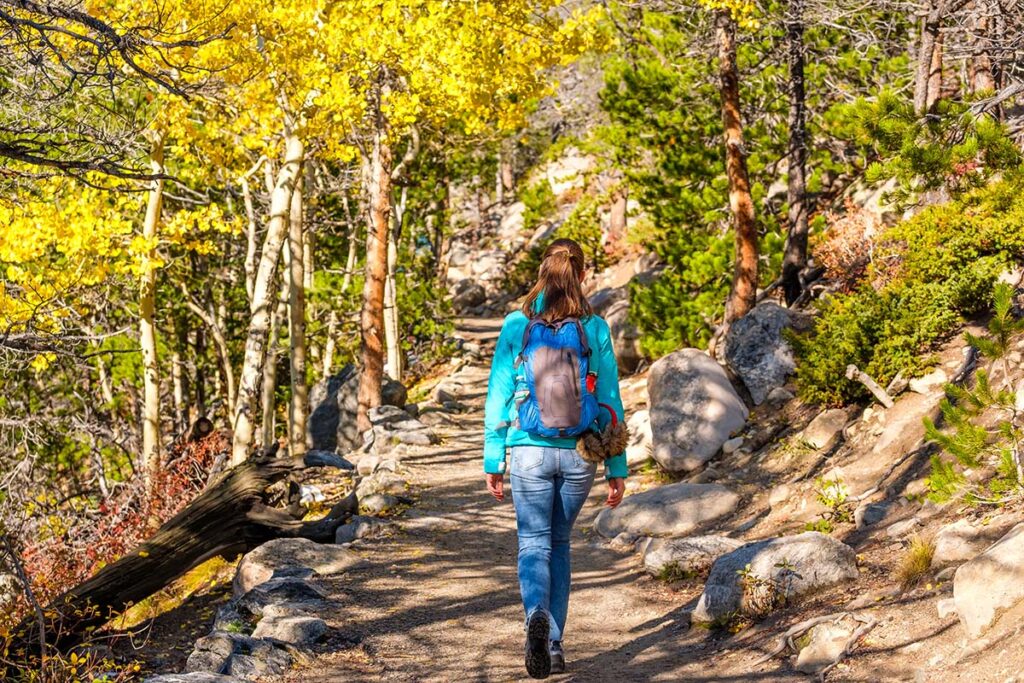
column 743, row 12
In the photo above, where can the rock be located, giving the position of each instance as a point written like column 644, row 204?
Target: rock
column 825, row 647
column 693, row 554
column 393, row 393
column 360, row 526
column 958, row 542
column 624, row 542
column 459, row 255
column 933, row 381
column 670, row 510
column 870, row 514
column 285, row 589
column 300, row 631
column 378, row 503
column 466, row 294
column 367, row 465
column 381, row 481
column 612, row 304
column 780, row 494
column 823, row 429
column 389, row 415
column 284, row 555
column 757, row 352
column 332, row 419
column 694, row 409
column 431, row 523
column 732, row 445
column 946, row 608
column 779, row 396
column 238, row 655
column 794, row 566
column 413, row 410
column 902, row 528
column 639, row 448
column 991, row 583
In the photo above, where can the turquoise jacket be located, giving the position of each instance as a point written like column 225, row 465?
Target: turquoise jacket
column 499, row 435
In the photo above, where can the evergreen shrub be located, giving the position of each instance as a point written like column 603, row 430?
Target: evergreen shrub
column 927, row 274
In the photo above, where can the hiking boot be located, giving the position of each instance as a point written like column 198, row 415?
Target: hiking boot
column 557, row 657
column 538, row 657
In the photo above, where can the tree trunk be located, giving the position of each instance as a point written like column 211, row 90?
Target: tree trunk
column 229, row 517
column 377, row 170
column 744, row 283
column 499, row 181
column 263, row 300
column 329, row 346
column 794, row 259
column 269, row 385
column 507, row 167
column 147, row 315
column 250, row 229
column 935, row 75
column 391, row 334
column 617, row 214
column 223, row 352
column 353, row 243
column 297, row 407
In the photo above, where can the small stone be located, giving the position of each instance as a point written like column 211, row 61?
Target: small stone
column 946, row 608
column 870, row 514
column 824, row 428
column 300, row 631
column 732, row 445
column 359, row 527
column 378, row 503
column 867, row 414
column 624, row 542
column 902, row 528
column 779, row 396
column 931, row 382
column 825, row 647
column 780, row 494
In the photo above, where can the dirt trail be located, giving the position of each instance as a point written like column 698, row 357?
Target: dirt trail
column 443, row 604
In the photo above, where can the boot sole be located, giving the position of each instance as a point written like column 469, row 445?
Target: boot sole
column 538, row 657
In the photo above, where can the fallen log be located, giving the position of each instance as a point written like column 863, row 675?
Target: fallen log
column 231, row 516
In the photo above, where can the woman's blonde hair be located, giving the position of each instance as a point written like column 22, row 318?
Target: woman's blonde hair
column 560, row 284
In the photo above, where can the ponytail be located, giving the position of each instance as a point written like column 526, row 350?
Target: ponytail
column 559, row 284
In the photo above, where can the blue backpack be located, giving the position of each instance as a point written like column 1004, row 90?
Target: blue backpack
column 554, row 386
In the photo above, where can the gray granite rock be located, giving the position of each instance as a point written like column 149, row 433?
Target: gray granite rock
column 690, row 554
column 694, row 409
column 757, row 352
column 669, row 510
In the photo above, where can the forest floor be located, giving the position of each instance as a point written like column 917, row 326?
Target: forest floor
column 438, row 599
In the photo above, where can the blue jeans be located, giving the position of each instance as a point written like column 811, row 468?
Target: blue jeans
column 549, row 487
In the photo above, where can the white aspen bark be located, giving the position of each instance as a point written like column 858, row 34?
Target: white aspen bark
column 262, row 301
column 178, row 392
column 391, row 340
column 297, row 406
column 269, row 385
column 332, row 330
column 147, row 316
column 250, row 228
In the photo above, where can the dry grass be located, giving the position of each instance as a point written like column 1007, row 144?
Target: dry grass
column 916, row 562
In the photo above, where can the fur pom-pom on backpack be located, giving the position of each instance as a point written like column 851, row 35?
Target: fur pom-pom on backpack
column 596, row 447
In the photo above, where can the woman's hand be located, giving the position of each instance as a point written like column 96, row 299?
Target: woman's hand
column 616, row 488
column 496, row 486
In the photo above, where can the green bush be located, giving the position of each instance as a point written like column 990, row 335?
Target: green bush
column 539, row 200
column 927, row 274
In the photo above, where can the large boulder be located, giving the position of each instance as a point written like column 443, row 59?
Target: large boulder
column 693, row 554
column 638, row 450
column 991, row 583
column 670, row 510
column 332, row 416
column 283, row 556
column 194, row 677
column 772, row 572
column 612, row 304
column 758, row 353
column 962, row 541
column 694, row 409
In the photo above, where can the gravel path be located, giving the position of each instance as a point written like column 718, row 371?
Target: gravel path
column 440, row 601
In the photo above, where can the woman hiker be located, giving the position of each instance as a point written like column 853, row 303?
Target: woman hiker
column 553, row 400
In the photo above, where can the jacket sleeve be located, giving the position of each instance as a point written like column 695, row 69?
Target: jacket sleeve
column 608, row 393
column 500, row 388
